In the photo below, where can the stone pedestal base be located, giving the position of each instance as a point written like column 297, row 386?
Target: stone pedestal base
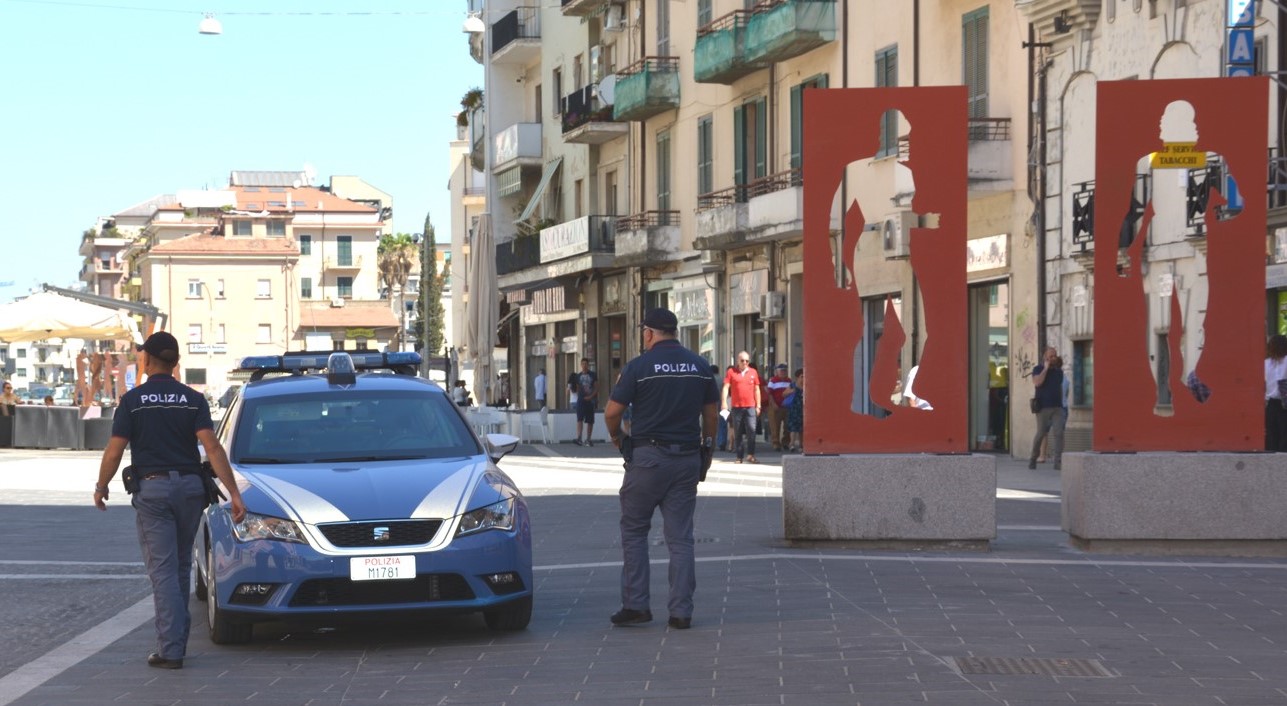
column 893, row 500
column 1209, row 503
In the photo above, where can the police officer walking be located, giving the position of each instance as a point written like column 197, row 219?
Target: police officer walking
column 162, row 420
column 676, row 405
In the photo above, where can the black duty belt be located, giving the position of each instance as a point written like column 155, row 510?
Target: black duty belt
column 153, row 474
column 668, row 445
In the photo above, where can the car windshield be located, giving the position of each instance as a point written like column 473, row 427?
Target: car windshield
column 350, row 425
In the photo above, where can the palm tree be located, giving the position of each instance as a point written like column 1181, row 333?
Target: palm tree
column 395, row 256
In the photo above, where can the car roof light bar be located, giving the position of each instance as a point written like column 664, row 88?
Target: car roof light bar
column 301, row 362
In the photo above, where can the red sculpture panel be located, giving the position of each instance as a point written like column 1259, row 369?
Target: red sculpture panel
column 1216, row 398
column 842, row 126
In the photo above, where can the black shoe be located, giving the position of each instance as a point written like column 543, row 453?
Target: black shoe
column 680, row 623
column 626, row 616
column 156, row 660
column 589, row 443
column 577, row 442
column 1032, row 465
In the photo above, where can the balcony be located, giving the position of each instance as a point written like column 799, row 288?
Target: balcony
column 719, row 56
column 517, row 254
column 581, row 8
column 781, row 29
column 646, row 88
column 1066, row 15
column 775, row 207
column 516, row 37
column 990, row 164
column 721, row 219
column 648, row 237
column 518, row 145
column 580, row 236
column 587, row 120
column 342, row 263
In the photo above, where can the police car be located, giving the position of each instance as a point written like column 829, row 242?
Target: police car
column 366, row 492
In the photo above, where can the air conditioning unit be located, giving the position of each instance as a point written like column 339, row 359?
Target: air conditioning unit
column 712, row 260
column 773, row 306
column 896, row 233
column 614, row 19
column 337, row 302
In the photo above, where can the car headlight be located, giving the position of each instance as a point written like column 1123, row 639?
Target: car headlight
column 499, row 515
column 255, row 526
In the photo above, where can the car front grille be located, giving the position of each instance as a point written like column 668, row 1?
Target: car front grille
column 423, row 588
column 401, row 533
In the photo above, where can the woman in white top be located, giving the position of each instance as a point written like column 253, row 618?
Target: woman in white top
column 1275, row 382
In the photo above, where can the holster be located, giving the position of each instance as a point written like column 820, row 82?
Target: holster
column 213, row 493
column 708, row 455
column 627, row 447
column 130, row 479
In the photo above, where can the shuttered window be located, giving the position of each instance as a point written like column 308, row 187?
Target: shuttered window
column 705, row 155
column 663, row 170
column 887, row 77
column 974, row 60
column 797, row 117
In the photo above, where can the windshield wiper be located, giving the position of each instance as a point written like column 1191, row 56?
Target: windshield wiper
column 263, row 459
column 354, row 459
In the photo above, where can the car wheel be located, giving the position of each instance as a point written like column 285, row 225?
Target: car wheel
column 200, row 588
column 514, row 615
column 223, row 630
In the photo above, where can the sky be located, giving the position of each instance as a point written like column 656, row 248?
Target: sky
column 105, row 104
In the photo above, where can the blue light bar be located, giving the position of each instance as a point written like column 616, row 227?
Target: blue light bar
column 303, row 362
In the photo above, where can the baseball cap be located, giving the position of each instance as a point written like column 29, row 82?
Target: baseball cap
column 660, row 319
column 162, row 346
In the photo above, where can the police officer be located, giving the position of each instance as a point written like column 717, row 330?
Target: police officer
column 162, row 420
column 676, row 404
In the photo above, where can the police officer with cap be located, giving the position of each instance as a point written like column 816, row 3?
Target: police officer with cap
column 162, row 420
column 676, row 405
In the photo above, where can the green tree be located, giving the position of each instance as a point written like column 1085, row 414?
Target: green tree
column 395, row 256
column 429, row 313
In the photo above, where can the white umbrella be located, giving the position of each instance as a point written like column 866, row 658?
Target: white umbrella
column 50, row 315
column 481, row 314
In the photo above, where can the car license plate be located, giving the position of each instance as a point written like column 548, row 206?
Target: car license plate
column 382, row 568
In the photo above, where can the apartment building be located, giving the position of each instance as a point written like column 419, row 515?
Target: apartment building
column 467, row 184
column 648, row 153
column 268, row 264
column 1087, row 42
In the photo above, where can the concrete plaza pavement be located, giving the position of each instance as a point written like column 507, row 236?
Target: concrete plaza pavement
column 1031, row 621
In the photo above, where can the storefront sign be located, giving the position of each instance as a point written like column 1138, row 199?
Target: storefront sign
column 744, row 290
column 1179, row 155
column 986, row 253
column 359, row 333
column 615, row 290
column 540, row 348
column 549, row 300
column 565, row 239
column 207, row 348
column 693, row 306
column 518, row 297
column 1280, row 245
column 568, row 344
column 1079, row 295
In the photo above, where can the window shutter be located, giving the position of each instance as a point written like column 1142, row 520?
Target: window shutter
column 761, row 139
column 739, row 146
column 797, row 111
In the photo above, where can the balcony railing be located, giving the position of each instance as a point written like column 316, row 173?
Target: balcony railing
column 648, row 219
column 1083, row 213
column 775, row 182
column 342, row 263
column 516, row 37
column 722, row 197
column 588, row 120
column 518, row 254
column 720, row 53
column 989, row 129
column 647, row 87
column 587, row 234
column 781, row 29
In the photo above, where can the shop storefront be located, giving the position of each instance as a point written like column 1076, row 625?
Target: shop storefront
column 989, row 343
column 745, row 290
column 694, row 303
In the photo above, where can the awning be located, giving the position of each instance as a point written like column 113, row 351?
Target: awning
column 546, row 176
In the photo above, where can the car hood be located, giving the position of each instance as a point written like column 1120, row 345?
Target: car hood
column 316, row 493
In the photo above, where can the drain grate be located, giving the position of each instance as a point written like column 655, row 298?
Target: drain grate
column 1021, row 666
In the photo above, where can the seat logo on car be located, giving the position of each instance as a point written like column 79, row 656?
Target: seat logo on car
column 380, row 534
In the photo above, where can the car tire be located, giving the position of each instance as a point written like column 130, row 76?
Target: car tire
column 223, row 630
column 199, row 586
column 514, row 615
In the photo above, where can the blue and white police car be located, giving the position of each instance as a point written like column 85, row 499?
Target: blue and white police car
column 366, row 492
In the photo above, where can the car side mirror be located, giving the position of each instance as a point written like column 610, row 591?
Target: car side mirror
column 500, row 445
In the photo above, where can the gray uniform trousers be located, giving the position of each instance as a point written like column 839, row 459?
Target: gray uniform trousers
column 666, row 478
column 168, row 512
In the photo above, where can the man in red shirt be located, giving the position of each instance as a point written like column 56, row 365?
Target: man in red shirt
column 743, row 383
column 779, row 386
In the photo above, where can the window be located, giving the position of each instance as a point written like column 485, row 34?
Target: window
column 194, row 376
column 663, row 170
column 277, row 227
column 797, row 117
column 221, row 334
column 344, row 286
column 705, row 155
column 536, row 100
column 344, row 249
column 663, row 27
column 263, row 289
column 194, row 333
column 22, row 352
column 557, row 81
column 578, row 77
column 703, row 13
column 305, row 245
column 578, row 198
column 305, row 287
column 264, row 334
column 194, row 289
column 241, row 226
column 610, row 193
column 750, row 149
column 974, row 60
column 219, row 288
column 887, row 77
column 1083, row 374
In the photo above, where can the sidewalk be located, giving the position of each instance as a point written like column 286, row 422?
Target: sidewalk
column 1030, row 622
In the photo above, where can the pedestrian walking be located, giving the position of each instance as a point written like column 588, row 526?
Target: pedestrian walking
column 741, row 396
column 539, row 389
column 161, row 420
column 721, row 436
column 779, row 386
column 1276, row 393
column 587, row 397
column 1048, row 379
column 675, row 401
column 795, row 413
